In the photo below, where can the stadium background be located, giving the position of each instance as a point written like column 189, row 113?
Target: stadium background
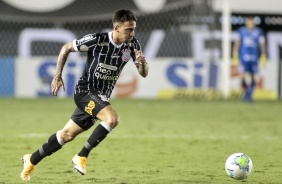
column 181, row 39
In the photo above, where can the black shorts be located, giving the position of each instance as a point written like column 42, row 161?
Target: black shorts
column 88, row 105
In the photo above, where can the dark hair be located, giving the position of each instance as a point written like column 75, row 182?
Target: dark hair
column 250, row 16
column 123, row 15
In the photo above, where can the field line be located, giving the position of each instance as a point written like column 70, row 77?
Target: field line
column 158, row 136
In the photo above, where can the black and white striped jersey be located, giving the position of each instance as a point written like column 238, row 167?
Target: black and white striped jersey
column 105, row 61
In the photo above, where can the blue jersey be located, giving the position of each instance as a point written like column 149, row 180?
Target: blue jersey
column 250, row 40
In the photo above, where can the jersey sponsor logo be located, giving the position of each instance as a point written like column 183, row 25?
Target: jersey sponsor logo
column 105, row 72
column 249, row 42
column 90, row 107
column 126, row 55
column 84, row 48
column 110, row 67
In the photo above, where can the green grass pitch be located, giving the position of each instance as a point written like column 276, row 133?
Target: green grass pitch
column 157, row 141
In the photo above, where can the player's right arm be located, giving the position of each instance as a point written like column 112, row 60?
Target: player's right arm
column 262, row 44
column 62, row 58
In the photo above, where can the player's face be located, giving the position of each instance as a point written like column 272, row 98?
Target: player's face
column 250, row 23
column 126, row 31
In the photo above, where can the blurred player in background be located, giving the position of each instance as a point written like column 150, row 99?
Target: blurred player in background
column 249, row 49
column 107, row 54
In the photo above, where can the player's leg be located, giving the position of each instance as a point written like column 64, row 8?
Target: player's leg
column 247, row 71
column 243, row 74
column 109, row 119
column 251, row 89
column 244, row 84
column 253, row 69
column 53, row 144
column 56, row 141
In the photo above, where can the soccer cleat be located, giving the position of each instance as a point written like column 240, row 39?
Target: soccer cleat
column 79, row 164
column 28, row 167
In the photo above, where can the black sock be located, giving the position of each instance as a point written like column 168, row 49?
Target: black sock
column 244, row 84
column 96, row 137
column 51, row 146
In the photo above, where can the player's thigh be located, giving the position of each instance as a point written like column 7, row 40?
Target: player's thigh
column 83, row 119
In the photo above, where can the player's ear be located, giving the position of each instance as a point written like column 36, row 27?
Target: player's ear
column 116, row 27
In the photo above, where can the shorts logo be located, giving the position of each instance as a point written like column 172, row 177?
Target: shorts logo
column 90, row 107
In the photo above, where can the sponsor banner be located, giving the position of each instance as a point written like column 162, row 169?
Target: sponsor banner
column 7, row 76
column 177, row 73
column 34, row 76
column 187, row 78
column 168, row 78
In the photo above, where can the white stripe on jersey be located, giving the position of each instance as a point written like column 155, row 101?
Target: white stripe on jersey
column 91, row 66
column 98, row 66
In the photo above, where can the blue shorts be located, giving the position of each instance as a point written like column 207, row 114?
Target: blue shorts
column 249, row 67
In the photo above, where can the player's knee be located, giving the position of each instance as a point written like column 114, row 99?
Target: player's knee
column 67, row 136
column 113, row 121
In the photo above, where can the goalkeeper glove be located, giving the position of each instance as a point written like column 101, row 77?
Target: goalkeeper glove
column 262, row 60
column 235, row 60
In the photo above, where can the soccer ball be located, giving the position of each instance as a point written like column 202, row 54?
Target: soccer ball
column 238, row 166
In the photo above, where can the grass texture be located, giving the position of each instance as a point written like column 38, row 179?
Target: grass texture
column 156, row 142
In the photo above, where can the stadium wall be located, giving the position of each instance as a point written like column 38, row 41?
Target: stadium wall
column 168, row 78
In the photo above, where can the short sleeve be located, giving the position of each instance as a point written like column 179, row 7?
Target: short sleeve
column 85, row 44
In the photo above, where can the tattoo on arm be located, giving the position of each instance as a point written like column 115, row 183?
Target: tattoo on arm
column 62, row 58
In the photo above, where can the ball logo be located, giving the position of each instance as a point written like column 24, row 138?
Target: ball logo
column 90, row 107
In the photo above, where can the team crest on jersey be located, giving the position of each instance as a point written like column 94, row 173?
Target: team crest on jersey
column 90, row 107
column 126, row 55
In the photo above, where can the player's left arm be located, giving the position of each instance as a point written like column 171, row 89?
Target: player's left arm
column 236, row 48
column 142, row 64
column 263, row 57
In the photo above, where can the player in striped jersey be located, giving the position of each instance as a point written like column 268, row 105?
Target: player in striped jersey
column 107, row 54
column 249, row 49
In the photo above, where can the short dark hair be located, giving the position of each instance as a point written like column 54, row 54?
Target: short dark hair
column 123, row 15
column 250, row 16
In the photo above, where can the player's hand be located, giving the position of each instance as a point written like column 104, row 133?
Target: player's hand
column 263, row 60
column 139, row 56
column 56, row 84
column 235, row 60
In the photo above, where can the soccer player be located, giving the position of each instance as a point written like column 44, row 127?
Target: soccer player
column 107, row 54
column 249, row 49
